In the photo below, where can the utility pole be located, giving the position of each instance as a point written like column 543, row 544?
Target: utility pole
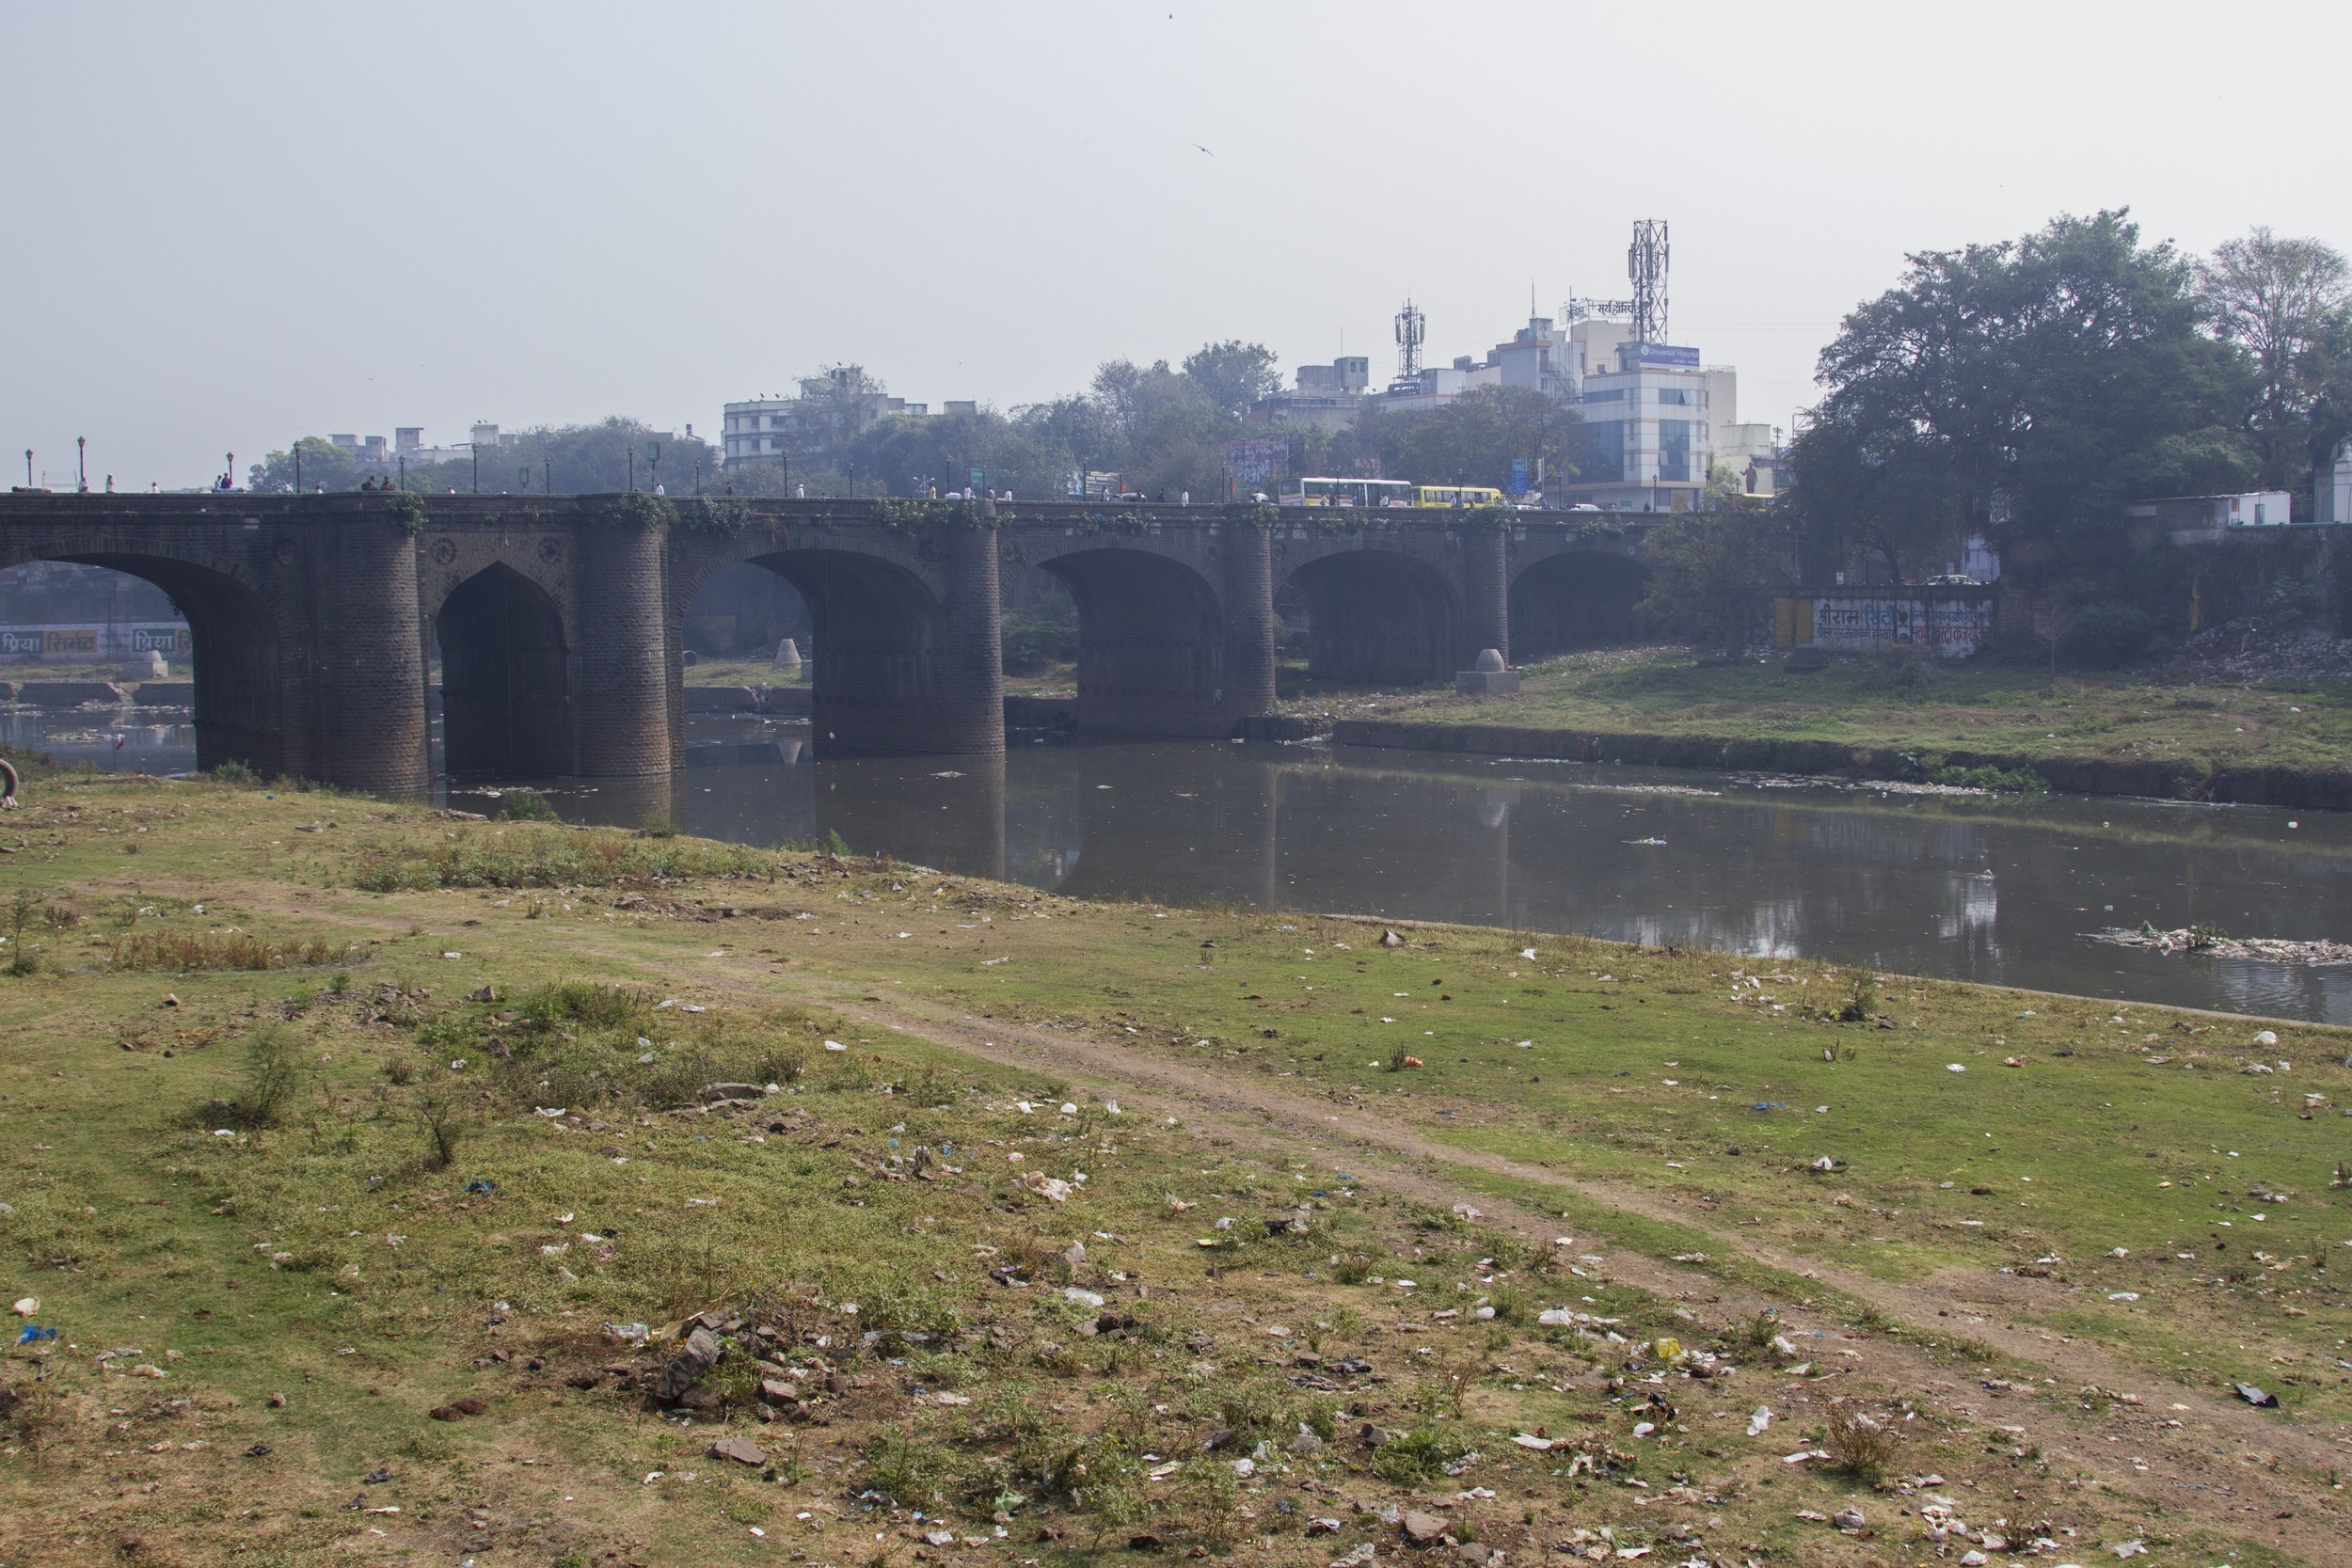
column 657, row 465
column 633, row 471
column 297, row 464
column 475, row 447
column 81, row 464
column 231, row 458
column 29, row 467
column 853, row 481
column 547, row 474
column 404, row 473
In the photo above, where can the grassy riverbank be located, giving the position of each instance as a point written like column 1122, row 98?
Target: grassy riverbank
column 429, row 1146
column 2193, row 725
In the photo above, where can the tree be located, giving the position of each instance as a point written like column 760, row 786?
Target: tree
column 2283, row 301
column 2022, row 391
column 1708, row 571
column 1475, row 438
column 578, row 459
column 1234, row 374
column 908, row 454
column 325, row 466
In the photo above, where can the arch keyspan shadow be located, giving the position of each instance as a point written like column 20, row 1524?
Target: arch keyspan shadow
column 880, row 654
column 1378, row 617
column 506, row 701
column 1151, row 645
column 1582, row 599
column 237, row 649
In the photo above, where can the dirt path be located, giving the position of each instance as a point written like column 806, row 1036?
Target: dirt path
column 2266, row 1485
column 2227, row 1468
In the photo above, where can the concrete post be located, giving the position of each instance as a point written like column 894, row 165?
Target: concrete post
column 367, row 656
column 623, row 694
column 1247, row 547
column 1486, row 593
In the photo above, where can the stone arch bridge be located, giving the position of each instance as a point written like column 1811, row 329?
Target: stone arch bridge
column 559, row 618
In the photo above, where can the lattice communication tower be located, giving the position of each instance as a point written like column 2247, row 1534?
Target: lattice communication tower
column 1412, row 328
column 1646, row 263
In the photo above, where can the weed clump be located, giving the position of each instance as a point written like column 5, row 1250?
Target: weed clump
column 1860, row 1444
column 185, row 952
column 541, row 855
column 526, row 805
column 272, row 1076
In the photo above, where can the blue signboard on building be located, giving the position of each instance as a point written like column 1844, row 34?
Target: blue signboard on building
column 1660, row 354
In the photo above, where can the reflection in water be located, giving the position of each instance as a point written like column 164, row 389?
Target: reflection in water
column 1971, row 888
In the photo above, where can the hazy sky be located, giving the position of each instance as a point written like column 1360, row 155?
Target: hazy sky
column 229, row 225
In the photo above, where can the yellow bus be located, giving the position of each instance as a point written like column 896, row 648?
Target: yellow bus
column 1458, row 496
column 1346, row 492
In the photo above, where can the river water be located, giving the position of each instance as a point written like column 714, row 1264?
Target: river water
column 1974, row 888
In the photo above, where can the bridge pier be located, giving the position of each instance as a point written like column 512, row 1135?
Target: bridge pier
column 1486, row 594
column 1249, row 672
column 626, row 667
column 367, row 656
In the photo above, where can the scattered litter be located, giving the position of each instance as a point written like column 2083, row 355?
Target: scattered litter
column 1052, row 1189
column 2187, row 940
column 1954, row 1066
column 1084, row 1298
column 2246, row 1391
column 26, row 1305
column 1760, row 1421
column 835, row 1045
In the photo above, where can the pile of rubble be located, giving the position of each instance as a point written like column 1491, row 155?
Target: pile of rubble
column 2254, row 649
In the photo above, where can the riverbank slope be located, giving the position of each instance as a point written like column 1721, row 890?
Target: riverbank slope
column 487, row 1088
column 2188, row 735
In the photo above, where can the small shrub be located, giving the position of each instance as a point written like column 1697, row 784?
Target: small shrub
column 234, row 773
column 900, row 1469
column 441, row 1111
column 655, row 824
column 2107, row 637
column 1860, row 1444
column 1414, row 1456
column 272, row 1076
column 526, row 805
column 21, row 959
column 1862, row 998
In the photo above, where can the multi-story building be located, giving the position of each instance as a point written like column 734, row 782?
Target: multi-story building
column 1649, row 426
column 766, row 430
column 1326, row 395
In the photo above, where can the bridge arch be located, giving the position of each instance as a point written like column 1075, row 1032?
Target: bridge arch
column 506, row 679
column 1380, row 617
column 237, row 662
column 1575, row 599
column 1151, row 642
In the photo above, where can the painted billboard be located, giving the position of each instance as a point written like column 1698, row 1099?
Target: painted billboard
column 1951, row 621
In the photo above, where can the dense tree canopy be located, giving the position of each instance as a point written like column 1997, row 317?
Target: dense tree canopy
column 2024, row 390
column 567, row 459
column 2285, row 302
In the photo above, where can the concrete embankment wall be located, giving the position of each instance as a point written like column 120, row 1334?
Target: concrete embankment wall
column 2326, row 790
